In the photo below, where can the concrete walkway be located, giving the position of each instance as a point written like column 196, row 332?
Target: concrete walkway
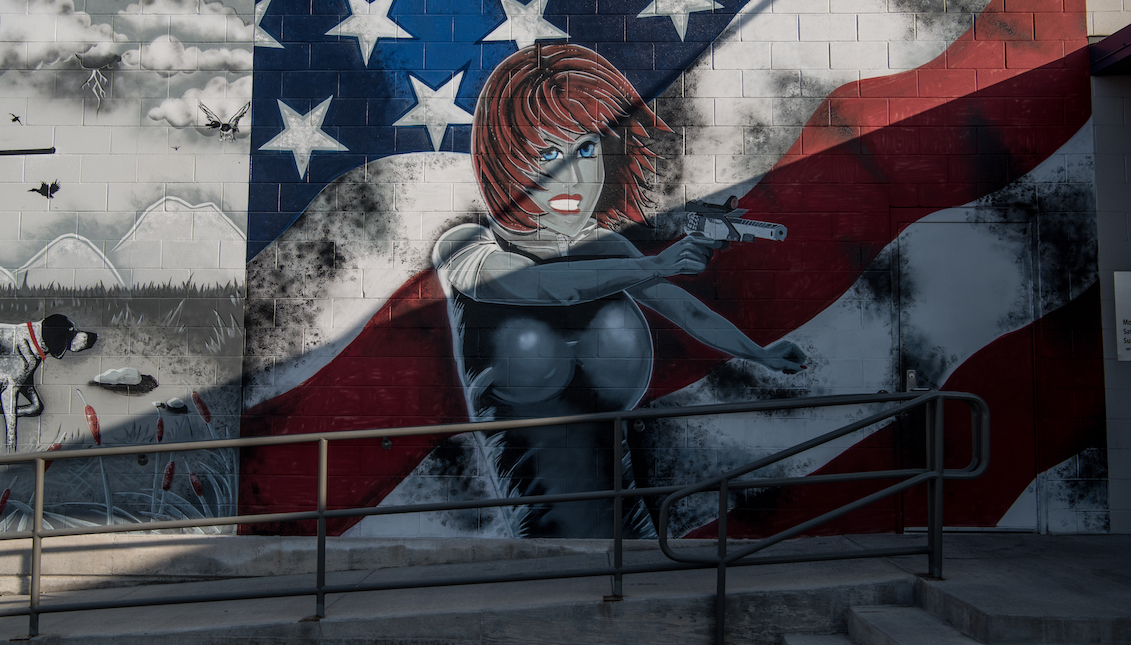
column 998, row 588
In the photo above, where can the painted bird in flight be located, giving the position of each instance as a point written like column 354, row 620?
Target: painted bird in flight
column 45, row 190
column 229, row 129
column 15, row 118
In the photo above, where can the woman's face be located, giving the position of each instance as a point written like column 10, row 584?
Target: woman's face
column 572, row 176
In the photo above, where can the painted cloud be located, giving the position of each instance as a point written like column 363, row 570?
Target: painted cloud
column 42, row 32
column 167, row 56
column 222, row 97
column 191, row 20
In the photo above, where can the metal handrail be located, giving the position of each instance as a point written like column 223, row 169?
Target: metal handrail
column 933, row 475
column 618, row 493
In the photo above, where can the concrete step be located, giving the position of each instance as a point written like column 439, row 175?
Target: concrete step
column 816, row 639
column 900, row 626
column 1004, row 589
column 1052, row 595
column 1030, row 611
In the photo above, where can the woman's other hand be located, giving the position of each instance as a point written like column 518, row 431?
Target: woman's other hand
column 785, row 357
column 688, row 256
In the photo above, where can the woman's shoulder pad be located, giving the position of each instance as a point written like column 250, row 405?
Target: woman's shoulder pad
column 456, row 238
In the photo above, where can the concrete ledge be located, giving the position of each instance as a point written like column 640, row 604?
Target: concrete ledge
column 120, row 560
column 814, row 639
column 676, row 608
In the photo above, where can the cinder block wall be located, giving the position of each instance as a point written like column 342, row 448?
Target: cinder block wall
column 753, row 102
column 1105, row 17
column 930, row 161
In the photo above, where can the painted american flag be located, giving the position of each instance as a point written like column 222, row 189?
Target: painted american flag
column 974, row 116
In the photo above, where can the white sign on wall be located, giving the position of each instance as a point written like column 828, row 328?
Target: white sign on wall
column 1123, row 314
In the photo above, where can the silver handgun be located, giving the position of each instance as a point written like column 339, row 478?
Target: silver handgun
column 724, row 222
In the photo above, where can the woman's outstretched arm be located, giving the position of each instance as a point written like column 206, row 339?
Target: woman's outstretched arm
column 469, row 261
column 710, row 328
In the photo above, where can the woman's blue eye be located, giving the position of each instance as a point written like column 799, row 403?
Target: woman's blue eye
column 549, row 155
column 587, row 151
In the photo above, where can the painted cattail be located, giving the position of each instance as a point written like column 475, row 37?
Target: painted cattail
column 201, row 407
column 52, row 447
column 91, row 420
column 4, row 498
column 160, row 421
column 197, row 485
column 167, row 480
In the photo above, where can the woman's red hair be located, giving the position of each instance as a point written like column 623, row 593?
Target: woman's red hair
column 563, row 91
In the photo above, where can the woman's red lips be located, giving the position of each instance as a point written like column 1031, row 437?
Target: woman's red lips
column 566, row 203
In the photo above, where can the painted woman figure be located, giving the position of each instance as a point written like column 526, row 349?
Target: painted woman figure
column 545, row 304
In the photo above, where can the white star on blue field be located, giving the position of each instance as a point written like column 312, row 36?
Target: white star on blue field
column 303, row 135
column 404, row 75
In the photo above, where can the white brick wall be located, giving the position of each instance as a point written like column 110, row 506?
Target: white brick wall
column 800, row 55
column 887, row 27
column 829, row 27
column 770, row 27
column 1105, row 17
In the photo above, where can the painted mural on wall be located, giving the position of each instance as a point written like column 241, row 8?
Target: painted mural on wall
column 544, row 304
column 422, row 243
column 124, row 206
column 469, row 211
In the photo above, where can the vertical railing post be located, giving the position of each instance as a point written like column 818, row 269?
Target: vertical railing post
column 320, row 582
column 36, row 550
column 935, row 437
column 618, row 508
column 721, row 573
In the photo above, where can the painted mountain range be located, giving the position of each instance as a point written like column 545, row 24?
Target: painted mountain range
column 172, row 242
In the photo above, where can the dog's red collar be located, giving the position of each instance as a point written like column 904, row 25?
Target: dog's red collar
column 35, row 341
